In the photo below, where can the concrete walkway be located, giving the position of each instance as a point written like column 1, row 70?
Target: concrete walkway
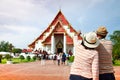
column 36, row 71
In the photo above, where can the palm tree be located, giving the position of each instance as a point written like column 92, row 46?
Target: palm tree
column 11, row 47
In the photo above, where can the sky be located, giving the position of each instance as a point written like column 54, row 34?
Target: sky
column 22, row 21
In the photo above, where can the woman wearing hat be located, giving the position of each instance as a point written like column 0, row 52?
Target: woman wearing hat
column 85, row 65
column 105, row 55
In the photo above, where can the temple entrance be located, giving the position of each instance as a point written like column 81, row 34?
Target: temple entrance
column 59, row 50
column 59, row 47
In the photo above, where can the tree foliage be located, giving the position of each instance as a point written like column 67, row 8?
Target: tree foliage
column 22, row 57
column 0, row 58
column 34, row 58
column 17, row 50
column 28, row 58
column 8, row 57
column 115, row 37
column 6, row 46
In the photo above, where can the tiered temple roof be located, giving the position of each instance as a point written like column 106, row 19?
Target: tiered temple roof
column 56, row 27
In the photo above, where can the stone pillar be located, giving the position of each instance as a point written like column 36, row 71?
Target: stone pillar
column 52, row 44
column 64, row 43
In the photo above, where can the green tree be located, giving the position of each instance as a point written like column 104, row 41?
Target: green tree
column 6, row 46
column 8, row 57
column 0, row 58
column 16, row 50
column 10, row 47
column 28, row 58
column 115, row 38
column 34, row 58
column 22, row 57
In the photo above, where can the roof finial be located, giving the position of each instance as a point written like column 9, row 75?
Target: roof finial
column 60, row 5
column 60, row 9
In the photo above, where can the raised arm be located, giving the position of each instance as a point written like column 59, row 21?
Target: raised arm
column 95, row 67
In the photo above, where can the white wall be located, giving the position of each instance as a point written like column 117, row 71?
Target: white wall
column 69, row 47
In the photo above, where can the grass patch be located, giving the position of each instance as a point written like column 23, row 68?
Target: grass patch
column 3, row 61
column 117, row 63
column 16, row 60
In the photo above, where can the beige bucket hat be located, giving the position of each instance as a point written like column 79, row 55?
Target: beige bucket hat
column 90, row 40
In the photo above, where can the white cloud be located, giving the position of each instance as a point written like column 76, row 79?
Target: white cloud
column 19, row 20
column 18, row 28
column 17, row 9
column 22, row 20
column 20, row 9
column 18, row 35
column 32, row 9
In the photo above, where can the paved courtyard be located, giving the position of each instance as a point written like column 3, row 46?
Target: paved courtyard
column 36, row 71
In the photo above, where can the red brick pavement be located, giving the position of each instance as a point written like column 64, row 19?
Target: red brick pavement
column 36, row 71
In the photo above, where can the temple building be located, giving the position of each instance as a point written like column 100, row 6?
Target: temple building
column 56, row 37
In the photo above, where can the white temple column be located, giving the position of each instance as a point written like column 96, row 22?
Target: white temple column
column 64, row 43
column 52, row 44
column 73, row 50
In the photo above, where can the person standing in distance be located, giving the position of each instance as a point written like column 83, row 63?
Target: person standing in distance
column 105, row 55
column 85, row 65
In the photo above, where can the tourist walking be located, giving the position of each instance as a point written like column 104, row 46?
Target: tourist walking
column 67, row 58
column 63, row 58
column 58, row 58
column 43, row 58
column 54, row 59
column 105, row 55
column 85, row 65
